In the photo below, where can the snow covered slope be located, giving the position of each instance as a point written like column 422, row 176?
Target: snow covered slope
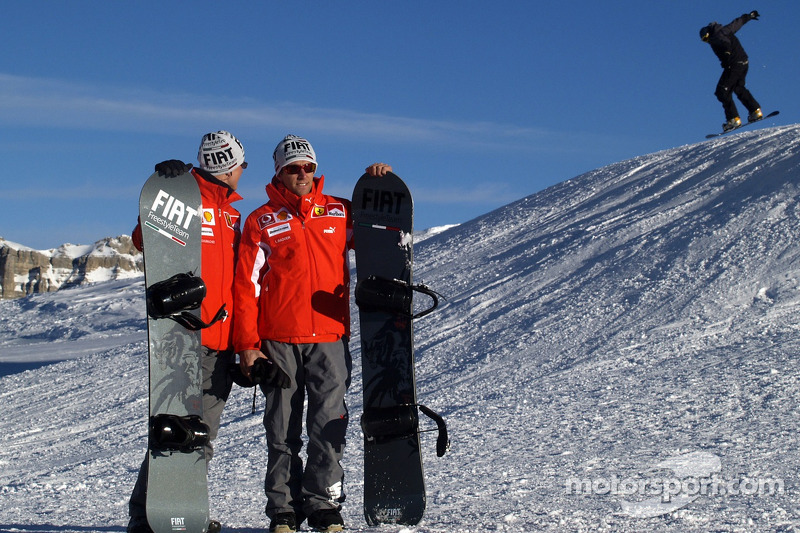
column 616, row 353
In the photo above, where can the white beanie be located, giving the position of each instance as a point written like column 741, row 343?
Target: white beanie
column 220, row 152
column 292, row 148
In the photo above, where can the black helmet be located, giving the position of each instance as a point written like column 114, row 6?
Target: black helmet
column 705, row 32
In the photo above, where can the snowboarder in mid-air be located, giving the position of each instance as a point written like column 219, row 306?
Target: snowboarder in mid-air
column 734, row 62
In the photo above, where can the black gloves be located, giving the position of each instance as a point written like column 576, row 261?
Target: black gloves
column 173, row 168
column 267, row 373
column 754, row 15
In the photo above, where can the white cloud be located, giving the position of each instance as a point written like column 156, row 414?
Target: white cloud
column 28, row 101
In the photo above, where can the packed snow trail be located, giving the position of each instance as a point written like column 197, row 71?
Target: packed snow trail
column 615, row 353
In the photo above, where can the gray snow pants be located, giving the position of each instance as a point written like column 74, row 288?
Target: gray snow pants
column 217, row 384
column 321, row 374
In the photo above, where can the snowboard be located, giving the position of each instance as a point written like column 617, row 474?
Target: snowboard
column 177, row 493
column 744, row 125
column 394, row 487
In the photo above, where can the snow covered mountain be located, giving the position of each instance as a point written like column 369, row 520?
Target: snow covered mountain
column 25, row 271
column 616, row 353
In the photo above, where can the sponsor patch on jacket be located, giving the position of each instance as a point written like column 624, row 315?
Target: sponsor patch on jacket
column 277, row 230
column 268, row 219
column 330, row 210
column 231, row 220
column 207, row 216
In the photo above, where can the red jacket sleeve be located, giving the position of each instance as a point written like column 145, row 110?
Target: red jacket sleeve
column 136, row 236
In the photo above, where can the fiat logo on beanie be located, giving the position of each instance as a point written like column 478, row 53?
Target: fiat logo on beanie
column 292, row 148
column 220, row 152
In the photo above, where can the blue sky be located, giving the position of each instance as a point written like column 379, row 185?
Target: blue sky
column 475, row 104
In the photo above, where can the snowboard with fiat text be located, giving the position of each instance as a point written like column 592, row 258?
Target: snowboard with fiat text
column 712, row 135
column 394, row 486
column 177, row 493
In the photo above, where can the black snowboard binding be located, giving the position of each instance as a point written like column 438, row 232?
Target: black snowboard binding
column 177, row 433
column 174, row 297
column 398, row 422
column 392, row 296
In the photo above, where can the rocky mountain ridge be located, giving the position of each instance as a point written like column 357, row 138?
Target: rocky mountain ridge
column 25, row 271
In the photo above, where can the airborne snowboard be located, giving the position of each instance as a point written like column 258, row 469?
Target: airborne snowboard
column 177, row 493
column 712, row 135
column 394, row 487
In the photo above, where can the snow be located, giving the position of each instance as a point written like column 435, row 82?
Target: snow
column 14, row 245
column 615, row 353
column 430, row 232
column 71, row 251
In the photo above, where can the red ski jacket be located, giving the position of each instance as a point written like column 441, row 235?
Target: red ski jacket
column 221, row 235
column 293, row 277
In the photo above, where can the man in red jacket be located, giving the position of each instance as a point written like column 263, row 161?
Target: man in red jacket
column 292, row 305
column 221, row 158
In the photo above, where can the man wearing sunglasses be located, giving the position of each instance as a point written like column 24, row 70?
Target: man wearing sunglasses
column 292, row 306
column 221, row 160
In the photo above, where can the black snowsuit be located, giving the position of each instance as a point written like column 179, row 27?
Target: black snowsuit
column 734, row 63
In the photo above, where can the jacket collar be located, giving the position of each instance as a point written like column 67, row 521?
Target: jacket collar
column 214, row 188
column 300, row 205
